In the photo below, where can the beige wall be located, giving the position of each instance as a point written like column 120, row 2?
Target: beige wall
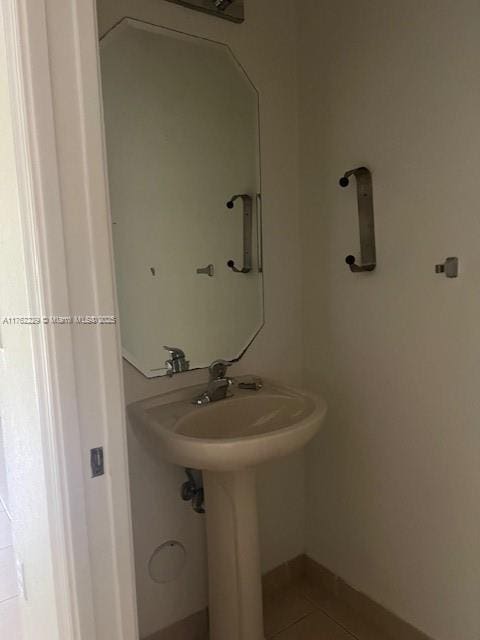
column 394, row 479
column 265, row 45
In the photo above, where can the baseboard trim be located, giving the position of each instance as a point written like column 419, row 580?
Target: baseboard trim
column 373, row 613
column 389, row 623
column 195, row 627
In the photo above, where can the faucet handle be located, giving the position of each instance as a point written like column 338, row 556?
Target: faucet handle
column 178, row 361
column 218, row 369
column 175, row 352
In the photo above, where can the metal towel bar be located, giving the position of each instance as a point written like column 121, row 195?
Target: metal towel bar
column 365, row 218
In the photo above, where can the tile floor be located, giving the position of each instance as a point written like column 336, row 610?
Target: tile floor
column 304, row 612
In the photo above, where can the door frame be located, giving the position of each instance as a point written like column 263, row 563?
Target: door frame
column 52, row 60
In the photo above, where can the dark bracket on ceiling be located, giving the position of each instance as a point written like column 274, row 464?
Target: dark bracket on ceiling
column 232, row 10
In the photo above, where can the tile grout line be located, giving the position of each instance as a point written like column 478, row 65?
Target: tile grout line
column 340, row 625
column 289, row 626
column 330, row 617
column 307, row 615
column 317, row 608
column 292, row 624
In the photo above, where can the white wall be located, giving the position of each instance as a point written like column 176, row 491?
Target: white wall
column 394, row 478
column 25, row 549
column 265, row 45
column 10, row 607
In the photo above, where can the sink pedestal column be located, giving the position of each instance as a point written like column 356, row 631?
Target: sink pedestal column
column 235, row 589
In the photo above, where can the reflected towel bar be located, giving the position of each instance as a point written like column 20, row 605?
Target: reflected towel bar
column 247, row 232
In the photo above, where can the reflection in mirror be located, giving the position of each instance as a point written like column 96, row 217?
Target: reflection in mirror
column 182, row 134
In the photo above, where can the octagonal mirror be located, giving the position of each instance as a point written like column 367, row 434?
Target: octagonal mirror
column 182, row 135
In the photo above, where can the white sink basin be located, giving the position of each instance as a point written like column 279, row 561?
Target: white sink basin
column 242, row 431
column 226, row 440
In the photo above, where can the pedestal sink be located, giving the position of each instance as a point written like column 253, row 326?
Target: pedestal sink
column 227, row 440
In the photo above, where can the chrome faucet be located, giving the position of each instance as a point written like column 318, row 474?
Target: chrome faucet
column 218, row 385
column 177, row 363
